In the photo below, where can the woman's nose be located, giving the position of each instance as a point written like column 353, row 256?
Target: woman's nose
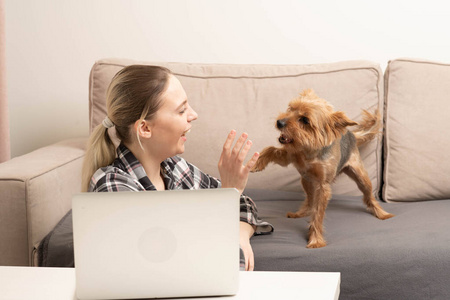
column 192, row 115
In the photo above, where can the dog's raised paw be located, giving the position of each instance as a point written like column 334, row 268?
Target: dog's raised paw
column 256, row 168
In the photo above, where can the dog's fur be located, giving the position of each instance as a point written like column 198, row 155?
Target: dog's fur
column 316, row 141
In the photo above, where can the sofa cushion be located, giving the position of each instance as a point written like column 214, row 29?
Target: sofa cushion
column 417, row 131
column 249, row 98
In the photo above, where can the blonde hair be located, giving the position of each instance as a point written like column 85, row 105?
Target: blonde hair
column 133, row 94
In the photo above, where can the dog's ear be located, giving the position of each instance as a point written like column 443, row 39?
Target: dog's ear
column 341, row 121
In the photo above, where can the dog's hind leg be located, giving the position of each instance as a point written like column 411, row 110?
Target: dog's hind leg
column 355, row 170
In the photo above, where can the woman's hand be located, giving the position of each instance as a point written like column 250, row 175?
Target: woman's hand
column 246, row 232
column 233, row 173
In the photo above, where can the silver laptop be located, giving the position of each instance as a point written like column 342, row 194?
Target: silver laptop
column 182, row 243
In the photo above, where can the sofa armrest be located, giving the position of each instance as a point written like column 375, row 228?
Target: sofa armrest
column 35, row 193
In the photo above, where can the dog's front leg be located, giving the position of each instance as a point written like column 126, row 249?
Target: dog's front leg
column 305, row 209
column 319, row 202
column 271, row 154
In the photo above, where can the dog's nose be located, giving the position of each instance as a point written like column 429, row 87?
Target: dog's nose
column 281, row 123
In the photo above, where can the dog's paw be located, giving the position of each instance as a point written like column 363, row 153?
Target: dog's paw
column 254, row 169
column 298, row 214
column 293, row 215
column 380, row 213
column 257, row 168
column 315, row 240
column 385, row 216
column 316, row 244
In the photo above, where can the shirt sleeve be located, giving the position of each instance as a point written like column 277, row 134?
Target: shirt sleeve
column 248, row 210
column 249, row 214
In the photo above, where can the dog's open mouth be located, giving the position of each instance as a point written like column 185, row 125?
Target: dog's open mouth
column 284, row 139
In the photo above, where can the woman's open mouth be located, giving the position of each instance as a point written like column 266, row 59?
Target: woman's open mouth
column 186, row 132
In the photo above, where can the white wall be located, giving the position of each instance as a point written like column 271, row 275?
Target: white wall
column 51, row 44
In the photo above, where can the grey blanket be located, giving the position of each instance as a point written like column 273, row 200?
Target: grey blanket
column 56, row 249
column 406, row 257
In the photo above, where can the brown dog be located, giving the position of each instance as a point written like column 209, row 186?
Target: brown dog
column 316, row 141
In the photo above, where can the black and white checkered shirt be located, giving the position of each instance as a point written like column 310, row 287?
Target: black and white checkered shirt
column 127, row 174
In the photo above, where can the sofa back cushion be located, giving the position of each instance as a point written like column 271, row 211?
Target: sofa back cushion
column 249, row 98
column 417, row 139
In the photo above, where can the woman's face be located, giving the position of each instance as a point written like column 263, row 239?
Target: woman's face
column 172, row 121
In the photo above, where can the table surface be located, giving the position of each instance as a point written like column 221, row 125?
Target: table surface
column 59, row 283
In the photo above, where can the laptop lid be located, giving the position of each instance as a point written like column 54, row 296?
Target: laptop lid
column 180, row 243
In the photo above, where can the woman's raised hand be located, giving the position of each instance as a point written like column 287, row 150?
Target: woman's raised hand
column 233, row 172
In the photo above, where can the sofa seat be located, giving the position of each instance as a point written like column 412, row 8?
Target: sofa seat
column 375, row 261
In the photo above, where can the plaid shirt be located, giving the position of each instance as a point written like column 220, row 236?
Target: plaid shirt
column 127, row 174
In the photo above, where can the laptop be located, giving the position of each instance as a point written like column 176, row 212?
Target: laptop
column 180, row 243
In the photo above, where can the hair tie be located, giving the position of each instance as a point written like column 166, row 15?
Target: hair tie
column 107, row 123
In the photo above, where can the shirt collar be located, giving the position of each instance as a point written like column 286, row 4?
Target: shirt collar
column 167, row 174
column 130, row 164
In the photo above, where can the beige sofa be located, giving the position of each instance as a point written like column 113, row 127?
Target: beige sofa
column 409, row 163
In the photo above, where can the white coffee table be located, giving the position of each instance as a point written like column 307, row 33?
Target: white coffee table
column 59, row 283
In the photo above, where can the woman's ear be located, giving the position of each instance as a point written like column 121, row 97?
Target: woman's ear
column 143, row 129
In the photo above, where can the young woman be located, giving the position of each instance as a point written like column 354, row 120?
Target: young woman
column 151, row 115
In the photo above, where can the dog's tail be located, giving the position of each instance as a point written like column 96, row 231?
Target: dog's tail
column 369, row 128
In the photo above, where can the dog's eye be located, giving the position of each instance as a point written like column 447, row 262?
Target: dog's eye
column 304, row 120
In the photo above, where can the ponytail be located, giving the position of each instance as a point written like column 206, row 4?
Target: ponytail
column 100, row 153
